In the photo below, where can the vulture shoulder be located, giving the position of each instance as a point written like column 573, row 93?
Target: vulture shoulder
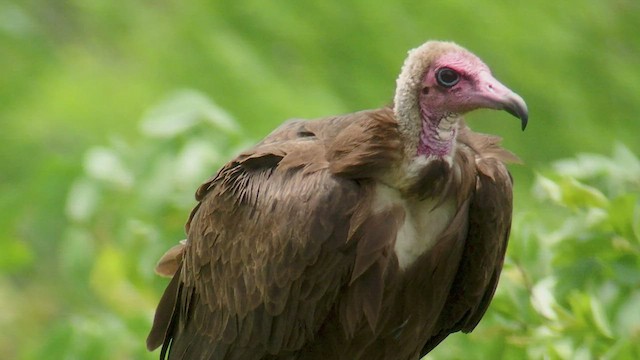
column 296, row 203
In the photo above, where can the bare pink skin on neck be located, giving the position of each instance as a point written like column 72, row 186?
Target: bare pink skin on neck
column 430, row 143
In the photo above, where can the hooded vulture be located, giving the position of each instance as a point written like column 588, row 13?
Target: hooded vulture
column 371, row 235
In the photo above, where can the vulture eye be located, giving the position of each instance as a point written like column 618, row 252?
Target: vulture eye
column 447, row 77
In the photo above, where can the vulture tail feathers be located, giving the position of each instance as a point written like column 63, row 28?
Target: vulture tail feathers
column 165, row 317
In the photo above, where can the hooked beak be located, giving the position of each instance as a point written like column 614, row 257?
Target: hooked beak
column 492, row 94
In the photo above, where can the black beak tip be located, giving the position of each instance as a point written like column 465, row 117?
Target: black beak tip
column 524, row 120
column 520, row 112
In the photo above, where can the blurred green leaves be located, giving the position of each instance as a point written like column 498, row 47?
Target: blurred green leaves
column 91, row 196
column 128, row 203
column 181, row 112
column 570, row 192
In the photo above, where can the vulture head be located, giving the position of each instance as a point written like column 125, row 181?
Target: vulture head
column 439, row 82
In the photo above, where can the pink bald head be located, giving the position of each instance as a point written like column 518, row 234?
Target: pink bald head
column 458, row 82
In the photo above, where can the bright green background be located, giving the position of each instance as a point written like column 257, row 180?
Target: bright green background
column 90, row 199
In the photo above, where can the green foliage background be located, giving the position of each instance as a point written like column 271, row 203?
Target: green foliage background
column 112, row 112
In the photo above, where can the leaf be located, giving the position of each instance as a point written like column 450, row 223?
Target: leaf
column 195, row 162
column 600, row 318
column 82, row 200
column 569, row 192
column 628, row 315
column 105, row 164
column 545, row 188
column 622, row 213
column 583, row 166
column 578, row 195
column 543, row 300
column 627, row 162
column 183, row 110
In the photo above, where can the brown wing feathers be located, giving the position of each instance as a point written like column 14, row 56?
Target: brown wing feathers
column 273, row 256
column 285, row 237
column 486, row 242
